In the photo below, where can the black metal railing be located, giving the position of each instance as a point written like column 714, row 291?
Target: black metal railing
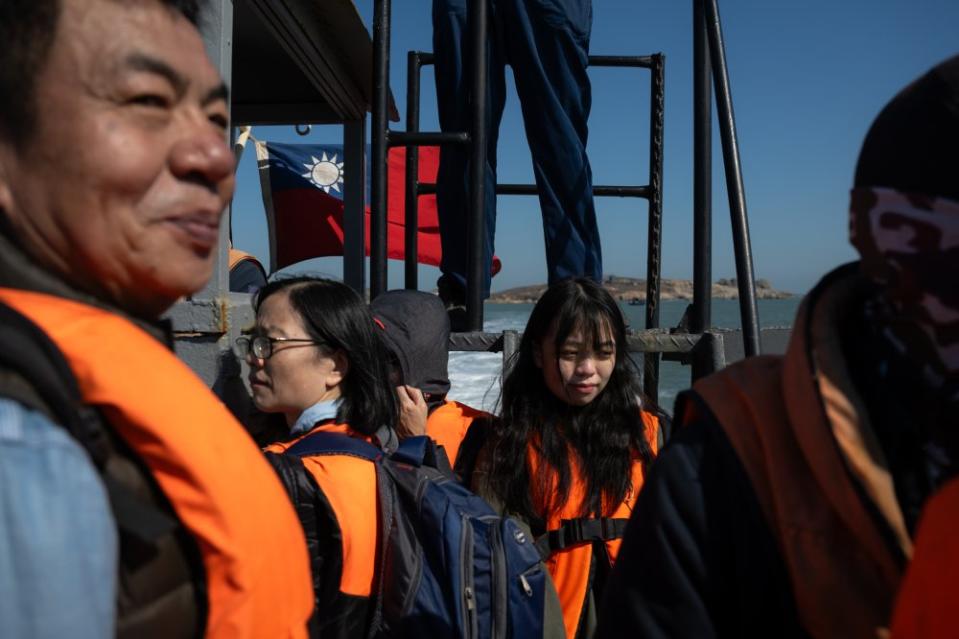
column 652, row 191
column 382, row 138
column 709, row 54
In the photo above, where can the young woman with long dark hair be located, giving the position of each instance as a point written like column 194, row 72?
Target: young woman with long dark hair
column 315, row 359
column 573, row 442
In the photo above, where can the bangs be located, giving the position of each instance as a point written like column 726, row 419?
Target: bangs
column 590, row 320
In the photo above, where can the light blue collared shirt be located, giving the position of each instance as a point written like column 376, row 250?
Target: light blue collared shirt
column 316, row 413
column 58, row 541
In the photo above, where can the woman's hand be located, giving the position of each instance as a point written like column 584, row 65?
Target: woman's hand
column 413, row 412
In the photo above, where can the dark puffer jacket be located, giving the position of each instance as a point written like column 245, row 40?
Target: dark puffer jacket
column 734, row 541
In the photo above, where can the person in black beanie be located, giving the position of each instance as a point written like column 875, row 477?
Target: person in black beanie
column 786, row 503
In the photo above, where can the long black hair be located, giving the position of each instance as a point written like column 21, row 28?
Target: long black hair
column 607, row 434
column 335, row 315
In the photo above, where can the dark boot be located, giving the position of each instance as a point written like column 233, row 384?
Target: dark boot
column 454, row 299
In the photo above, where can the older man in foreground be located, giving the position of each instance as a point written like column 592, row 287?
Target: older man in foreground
column 114, row 173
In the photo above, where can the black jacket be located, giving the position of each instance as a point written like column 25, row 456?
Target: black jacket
column 699, row 558
column 710, row 548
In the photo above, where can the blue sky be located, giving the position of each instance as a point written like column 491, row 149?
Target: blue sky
column 807, row 79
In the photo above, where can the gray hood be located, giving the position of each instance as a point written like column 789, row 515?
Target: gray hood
column 414, row 326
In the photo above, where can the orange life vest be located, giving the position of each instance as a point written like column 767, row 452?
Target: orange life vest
column 349, row 484
column 236, row 256
column 801, row 430
column 447, row 426
column 570, row 567
column 926, row 603
column 252, row 547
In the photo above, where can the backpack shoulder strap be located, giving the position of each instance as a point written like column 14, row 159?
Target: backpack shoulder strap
column 322, row 443
column 473, row 444
column 421, row 451
column 415, row 451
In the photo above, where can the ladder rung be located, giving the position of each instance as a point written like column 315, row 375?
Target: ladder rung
column 640, row 61
column 598, row 190
column 425, row 188
column 404, row 138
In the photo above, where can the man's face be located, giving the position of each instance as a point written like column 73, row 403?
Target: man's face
column 121, row 187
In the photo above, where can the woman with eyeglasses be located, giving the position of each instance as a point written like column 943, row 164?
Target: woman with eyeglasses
column 315, row 359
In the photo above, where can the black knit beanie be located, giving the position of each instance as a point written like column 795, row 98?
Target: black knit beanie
column 913, row 145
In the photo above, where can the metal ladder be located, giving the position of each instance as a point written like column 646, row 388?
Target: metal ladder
column 693, row 343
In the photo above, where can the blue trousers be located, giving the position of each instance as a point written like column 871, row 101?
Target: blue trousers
column 546, row 42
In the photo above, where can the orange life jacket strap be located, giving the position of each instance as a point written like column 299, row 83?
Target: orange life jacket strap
column 578, row 531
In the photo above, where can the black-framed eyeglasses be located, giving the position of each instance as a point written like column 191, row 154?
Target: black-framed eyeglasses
column 261, row 346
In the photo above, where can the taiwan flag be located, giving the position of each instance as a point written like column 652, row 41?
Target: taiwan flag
column 303, row 195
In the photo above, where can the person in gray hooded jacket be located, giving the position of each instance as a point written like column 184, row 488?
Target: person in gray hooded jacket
column 415, row 329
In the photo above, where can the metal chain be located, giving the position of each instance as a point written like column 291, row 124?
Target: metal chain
column 654, row 248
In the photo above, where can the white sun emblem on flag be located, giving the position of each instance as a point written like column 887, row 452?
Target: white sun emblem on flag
column 325, row 173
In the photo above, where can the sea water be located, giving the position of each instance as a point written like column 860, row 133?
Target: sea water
column 475, row 377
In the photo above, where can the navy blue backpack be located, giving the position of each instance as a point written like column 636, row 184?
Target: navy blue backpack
column 448, row 565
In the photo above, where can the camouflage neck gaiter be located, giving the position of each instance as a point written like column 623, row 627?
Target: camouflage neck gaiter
column 909, row 244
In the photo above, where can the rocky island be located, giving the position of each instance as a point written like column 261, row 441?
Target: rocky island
column 630, row 289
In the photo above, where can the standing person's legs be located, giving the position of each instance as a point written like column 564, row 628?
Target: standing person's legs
column 453, row 88
column 547, row 45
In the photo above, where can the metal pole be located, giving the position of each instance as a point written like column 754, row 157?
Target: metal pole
column 217, row 21
column 734, row 183
column 511, row 341
column 354, row 205
column 378, row 169
column 476, row 224
column 655, row 233
column 411, row 273
column 700, row 318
